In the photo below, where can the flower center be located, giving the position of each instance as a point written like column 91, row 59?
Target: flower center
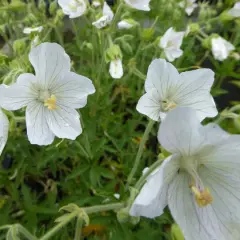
column 50, row 103
column 167, row 105
column 202, row 194
column 75, row 4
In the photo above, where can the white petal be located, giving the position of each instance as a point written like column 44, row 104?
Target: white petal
column 124, row 25
column 37, row 128
column 18, row 95
column 152, row 198
column 194, row 91
column 102, row 22
column 73, row 8
column 30, row 30
column 108, row 11
column 235, row 11
column 172, row 53
column 181, row 132
column 73, row 90
column 4, row 125
column 196, row 223
column 162, row 77
column 50, row 62
column 139, row 4
column 149, row 104
column 64, row 122
column 116, row 68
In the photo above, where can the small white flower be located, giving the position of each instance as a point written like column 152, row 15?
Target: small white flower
column 189, row 6
column 221, row 48
column 171, row 43
column 199, row 182
column 116, row 195
column 116, row 68
column 139, row 4
column 124, row 24
column 30, row 30
column 50, row 97
column 96, row 4
column 106, row 19
column 73, row 8
column 235, row 11
column 166, row 88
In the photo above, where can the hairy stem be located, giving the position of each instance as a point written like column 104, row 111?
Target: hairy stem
column 78, row 230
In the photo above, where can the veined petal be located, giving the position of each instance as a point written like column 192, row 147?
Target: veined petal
column 181, row 132
column 73, row 90
column 116, row 68
column 149, row 104
column 64, row 122
column 194, row 91
column 139, row 4
column 19, row 94
column 108, row 11
column 195, row 223
column 4, row 125
column 50, row 62
column 37, row 128
column 152, row 198
column 162, row 77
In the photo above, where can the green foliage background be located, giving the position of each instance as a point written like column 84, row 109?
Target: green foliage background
column 91, row 169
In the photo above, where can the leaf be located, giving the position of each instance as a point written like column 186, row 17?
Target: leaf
column 77, row 172
column 13, row 233
column 62, row 218
column 70, row 208
column 107, row 173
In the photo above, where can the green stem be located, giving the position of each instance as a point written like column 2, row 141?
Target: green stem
column 78, row 230
column 140, row 152
column 101, row 208
column 76, row 33
column 26, row 233
column 58, row 227
column 116, row 17
column 139, row 74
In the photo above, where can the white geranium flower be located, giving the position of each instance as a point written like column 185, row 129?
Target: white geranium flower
column 221, row 48
column 29, row 30
column 189, row 6
column 106, row 19
column 199, row 182
column 166, row 88
column 51, row 96
column 124, row 24
column 235, row 11
column 171, row 43
column 116, row 68
column 73, row 8
column 139, row 4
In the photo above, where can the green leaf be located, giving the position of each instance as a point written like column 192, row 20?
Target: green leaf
column 77, row 172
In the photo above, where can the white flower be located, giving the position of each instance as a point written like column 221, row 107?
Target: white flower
column 235, row 11
column 51, row 96
column 199, row 182
column 116, row 195
column 124, row 24
column 4, row 126
column 116, row 68
column 166, row 88
column 73, row 8
column 96, row 3
column 221, row 48
column 106, row 19
column 30, row 30
column 189, row 6
column 171, row 43
column 139, row 4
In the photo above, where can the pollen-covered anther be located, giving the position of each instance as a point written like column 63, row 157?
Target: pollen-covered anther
column 203, row 198
column 50, row 103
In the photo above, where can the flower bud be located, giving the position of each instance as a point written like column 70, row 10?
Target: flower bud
column 123, row 215
column 53, row 8
column 225, row 17
column 19, row 46
column 112, row 53
column 147, row 34
column 176, row 232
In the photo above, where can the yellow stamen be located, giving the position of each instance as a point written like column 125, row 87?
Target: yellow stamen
column 203, row 198
column 50, row 103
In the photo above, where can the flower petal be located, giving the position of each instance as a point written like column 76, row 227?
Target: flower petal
column 18, row 95
column 149, row 104
column 4, row 125
column 37, row 128
column 116, row 68
column 172, row 53
column 64, row 122
column 181, row 132
column 50, row 62
column 194, row 91
column 73, row 90
column 162, row 77
column 139, row 4
column 195, row 223
column 152, row 198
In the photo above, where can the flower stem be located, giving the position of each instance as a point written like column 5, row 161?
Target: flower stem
column 88, row 210
column 26, row 233
column 78, row 230
column 140, row 152
column 116, row 17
